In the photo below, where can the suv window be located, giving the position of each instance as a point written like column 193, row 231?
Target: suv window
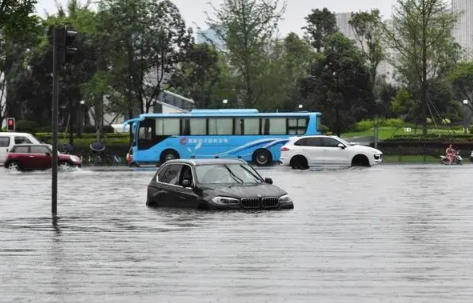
column 309, row 142
column 20, row 150
column 4, row 141
column 22, row 140
column 171, row 176
column 39, row 150
column 330, row 142
column 161, row 174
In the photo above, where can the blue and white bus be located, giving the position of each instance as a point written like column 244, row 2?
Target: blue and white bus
column 232, row 133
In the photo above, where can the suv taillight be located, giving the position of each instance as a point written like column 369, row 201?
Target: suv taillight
column 284, row 148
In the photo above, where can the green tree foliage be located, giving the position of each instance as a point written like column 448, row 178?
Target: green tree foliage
column 320, row 24
column 339, row 84
column 201, row 74
column 146, row 43
column 15, row 17
column 421, row 33
column 368, row 31
column 402, row 102
column 247, row 27
column 461, row 78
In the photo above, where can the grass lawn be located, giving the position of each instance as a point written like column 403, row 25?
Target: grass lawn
column 387, row 132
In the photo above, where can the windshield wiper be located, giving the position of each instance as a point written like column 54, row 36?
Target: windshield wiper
column 251, row 173
column 234, row 176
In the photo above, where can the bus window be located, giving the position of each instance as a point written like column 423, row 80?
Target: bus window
column 275, row 126
column 247, row 126
column 251, row 126
column 318, row 125
column 198, row 126
column 220, row 126
column 167, row 127
column 297, row 126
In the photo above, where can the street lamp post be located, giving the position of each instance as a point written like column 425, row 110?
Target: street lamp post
column 82, row 117
column 465, row 117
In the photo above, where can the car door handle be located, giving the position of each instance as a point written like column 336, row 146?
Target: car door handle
column 31, row 156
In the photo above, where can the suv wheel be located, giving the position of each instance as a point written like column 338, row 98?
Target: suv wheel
column 299, row 162
column 360, row 160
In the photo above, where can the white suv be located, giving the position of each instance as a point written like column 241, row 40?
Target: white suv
column 303, row 152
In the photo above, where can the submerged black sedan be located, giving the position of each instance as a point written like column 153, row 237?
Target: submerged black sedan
column 214, row 184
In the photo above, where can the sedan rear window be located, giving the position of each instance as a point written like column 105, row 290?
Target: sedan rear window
column 20, row 150
column 39, row 150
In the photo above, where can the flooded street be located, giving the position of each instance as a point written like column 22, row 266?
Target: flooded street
column 385, row 234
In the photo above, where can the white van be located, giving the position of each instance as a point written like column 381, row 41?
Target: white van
column 8, row 140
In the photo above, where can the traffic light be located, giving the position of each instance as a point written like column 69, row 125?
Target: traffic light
column 11, row 124
column 70, row 47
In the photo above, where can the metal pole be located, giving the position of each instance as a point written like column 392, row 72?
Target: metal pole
column 465, row 120
column 55, row 118
column 376, row 132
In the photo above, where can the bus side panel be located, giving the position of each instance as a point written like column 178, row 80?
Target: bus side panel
column 312, row 127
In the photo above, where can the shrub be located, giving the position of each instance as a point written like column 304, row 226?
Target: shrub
column 26, row 126
column 324, row 128
column 393, row 122
column 363, row 125
column 90, row 129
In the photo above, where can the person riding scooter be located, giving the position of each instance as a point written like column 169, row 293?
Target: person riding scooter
column 450, row 153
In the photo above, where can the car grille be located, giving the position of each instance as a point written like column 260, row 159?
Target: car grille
column 270, row 202
column 255, row 203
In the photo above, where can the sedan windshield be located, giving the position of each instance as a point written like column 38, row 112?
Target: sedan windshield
column 227, row 174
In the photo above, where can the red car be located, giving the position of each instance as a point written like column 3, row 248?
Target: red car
column 37, row 157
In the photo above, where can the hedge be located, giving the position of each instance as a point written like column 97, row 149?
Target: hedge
column 431, row 138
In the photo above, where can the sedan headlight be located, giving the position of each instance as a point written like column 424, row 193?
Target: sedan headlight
column 225, row 200
column 285, row 199
column 75, row 159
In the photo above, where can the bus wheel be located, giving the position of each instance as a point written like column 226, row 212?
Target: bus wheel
column 169, row 154
column 262, row 157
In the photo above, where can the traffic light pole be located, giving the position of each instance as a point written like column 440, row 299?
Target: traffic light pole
column 56, row 41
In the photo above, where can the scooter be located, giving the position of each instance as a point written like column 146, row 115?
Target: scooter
column 457, row 161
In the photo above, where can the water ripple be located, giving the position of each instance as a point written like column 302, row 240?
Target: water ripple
column 386, row 234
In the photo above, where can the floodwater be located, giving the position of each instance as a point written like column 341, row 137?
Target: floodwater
column 384, row 234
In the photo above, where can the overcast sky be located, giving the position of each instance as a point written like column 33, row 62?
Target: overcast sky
column 193, row 11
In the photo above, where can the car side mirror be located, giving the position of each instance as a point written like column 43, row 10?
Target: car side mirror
column 48, row 154
column 268, row 180
column 342, row 146
column 186, row 183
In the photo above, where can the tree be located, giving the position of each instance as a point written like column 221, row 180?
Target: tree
column 421, row 34
column 247, row 27
column 402, row 103
column 339, row 84
column 201, row 74
column 321, row 24
column 147, row 41
column 15, row 17
column 15, row 52
column 461, row 78
column 368, row 32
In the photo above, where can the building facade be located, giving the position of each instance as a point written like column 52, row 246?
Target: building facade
column 385, row 68
column 463, row 31
column 210, row 36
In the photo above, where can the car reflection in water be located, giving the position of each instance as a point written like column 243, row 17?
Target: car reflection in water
column 214, row 184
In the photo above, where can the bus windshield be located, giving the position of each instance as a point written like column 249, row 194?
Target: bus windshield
column 227, row 174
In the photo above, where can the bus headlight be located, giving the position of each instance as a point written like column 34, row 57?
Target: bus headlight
column 225, row 200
